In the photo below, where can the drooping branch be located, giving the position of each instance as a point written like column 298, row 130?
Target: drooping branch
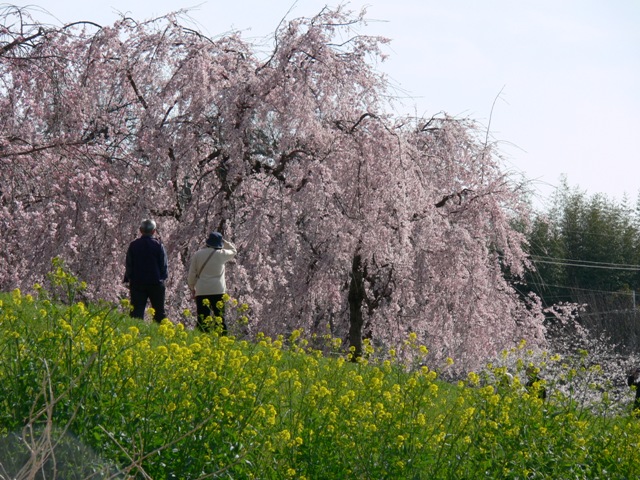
column 136, row 91
column 20, row 41
column 340, row 124
column 453, row 196
column 83, row 22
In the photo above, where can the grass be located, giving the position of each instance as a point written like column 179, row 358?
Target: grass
column 87, row 392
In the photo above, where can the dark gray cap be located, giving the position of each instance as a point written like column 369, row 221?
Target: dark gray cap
column 215, row 240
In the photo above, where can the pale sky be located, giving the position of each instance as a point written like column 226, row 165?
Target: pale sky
column 564, row 74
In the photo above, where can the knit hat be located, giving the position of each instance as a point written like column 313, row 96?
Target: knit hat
column 215, row 240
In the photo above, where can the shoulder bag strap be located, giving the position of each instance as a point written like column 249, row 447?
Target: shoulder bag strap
column 204, row 264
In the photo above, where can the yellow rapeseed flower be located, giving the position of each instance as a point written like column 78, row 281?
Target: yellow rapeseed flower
column 468, row 414
column 167, row 330
column 134, row 331
column 368, row 348
column 433, row 389
column 64, row 326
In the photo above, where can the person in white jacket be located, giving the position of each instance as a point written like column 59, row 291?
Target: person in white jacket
column 206, row 280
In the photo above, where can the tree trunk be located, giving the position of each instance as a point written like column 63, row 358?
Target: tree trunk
column 356, row 297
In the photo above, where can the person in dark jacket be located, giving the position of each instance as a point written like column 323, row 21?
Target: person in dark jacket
column 633, row 380
column 146, row 271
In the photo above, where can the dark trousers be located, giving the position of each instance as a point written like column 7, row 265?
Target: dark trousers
column 139, row 296
column 211, row 310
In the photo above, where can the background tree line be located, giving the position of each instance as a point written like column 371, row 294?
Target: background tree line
column 586, row 250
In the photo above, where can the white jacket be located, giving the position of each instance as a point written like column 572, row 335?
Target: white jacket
column 211, row 280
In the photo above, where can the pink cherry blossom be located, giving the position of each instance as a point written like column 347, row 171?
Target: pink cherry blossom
column 347, row 218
